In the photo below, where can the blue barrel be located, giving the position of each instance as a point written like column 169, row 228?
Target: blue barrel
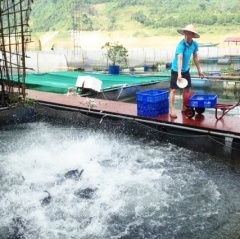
column 169, row 65
column 114, row 70
column 197, row 82
column 145, row 67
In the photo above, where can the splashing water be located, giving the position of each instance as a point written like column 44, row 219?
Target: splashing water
column 126, row 189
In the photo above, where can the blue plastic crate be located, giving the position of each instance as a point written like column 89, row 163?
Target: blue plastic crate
column 164, row 107
column 203, row 101
column 152, row 109
column 152, row 96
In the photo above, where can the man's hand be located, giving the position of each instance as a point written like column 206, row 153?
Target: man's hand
column 179, row 77
column 200, row 74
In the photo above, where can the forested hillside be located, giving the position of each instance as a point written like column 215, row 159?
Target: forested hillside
column 62, row 15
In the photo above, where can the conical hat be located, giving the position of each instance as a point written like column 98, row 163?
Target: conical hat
column 189, row 28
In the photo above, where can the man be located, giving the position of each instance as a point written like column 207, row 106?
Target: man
column 180, row 65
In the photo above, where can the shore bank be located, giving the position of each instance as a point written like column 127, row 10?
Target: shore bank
column 130, row 39
column 83, row 49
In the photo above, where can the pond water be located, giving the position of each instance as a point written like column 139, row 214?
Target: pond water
column 59, row 181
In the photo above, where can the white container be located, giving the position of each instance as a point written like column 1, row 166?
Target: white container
column 89, row 82
column 224, row 61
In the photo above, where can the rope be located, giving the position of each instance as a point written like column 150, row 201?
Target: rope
column 104, row 96
column 121, row 91
column 182, row 135
column 179, row 135
column 224, row 144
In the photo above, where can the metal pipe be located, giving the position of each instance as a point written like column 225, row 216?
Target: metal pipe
column 208, row 77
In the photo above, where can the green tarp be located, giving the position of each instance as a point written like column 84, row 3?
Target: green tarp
column 59, row 82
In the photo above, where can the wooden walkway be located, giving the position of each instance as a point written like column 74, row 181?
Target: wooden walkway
column 228, row 125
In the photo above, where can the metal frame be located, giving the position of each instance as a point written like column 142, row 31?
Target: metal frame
column 14, row 35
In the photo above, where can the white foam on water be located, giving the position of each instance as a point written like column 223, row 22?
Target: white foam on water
column 138, row 189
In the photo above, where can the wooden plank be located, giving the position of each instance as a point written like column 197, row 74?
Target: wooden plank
column 207, row 121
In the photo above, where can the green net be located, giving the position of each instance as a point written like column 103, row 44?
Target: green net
column 59, row 82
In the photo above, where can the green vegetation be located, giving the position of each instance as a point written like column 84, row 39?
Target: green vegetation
column 15, row 100
column 116, row 53
column 229, row 71
column 156, row 15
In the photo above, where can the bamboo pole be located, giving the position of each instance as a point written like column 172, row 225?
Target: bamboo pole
column 219, row 77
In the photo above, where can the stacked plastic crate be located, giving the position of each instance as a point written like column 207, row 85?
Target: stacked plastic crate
column 152, row 103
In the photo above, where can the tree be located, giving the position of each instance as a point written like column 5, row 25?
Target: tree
column 116, row 53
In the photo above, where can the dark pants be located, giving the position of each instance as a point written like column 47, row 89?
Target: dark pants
column 174, row 76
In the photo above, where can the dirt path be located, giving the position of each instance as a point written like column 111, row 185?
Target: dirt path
column 48, row 36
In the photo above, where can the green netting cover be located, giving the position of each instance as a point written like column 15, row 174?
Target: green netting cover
column 59, row 82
